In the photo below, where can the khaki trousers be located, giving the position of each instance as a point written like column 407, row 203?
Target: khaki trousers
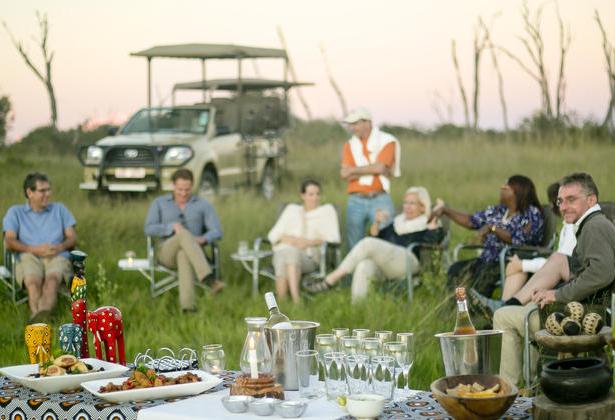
column 510, row 320
column 374, row 258
column 182, row 252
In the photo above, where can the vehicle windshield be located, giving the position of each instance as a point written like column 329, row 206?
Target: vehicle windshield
column 168, row 120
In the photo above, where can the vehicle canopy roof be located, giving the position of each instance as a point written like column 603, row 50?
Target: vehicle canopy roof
column 210, row 51
column 233, row 84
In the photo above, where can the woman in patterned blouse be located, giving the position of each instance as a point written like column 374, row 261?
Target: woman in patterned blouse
column 517, row 220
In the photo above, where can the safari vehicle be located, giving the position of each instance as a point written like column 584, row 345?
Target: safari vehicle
column 231, row 139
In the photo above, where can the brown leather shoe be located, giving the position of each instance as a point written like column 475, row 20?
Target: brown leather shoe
column 217, row 286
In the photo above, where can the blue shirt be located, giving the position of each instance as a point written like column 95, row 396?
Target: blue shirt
column 525, row 228
column 198, row 216
column 39, row 227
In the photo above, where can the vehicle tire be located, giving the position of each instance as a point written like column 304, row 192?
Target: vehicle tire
column 269, row 182
column 208, row 187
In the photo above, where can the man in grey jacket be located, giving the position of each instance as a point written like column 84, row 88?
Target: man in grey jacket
column 590, row 269
column 186, row 223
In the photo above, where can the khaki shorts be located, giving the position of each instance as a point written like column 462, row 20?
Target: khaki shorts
column 291, row 255
column 31, row 265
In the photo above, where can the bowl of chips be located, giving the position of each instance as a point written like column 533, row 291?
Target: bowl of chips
column 474, row 396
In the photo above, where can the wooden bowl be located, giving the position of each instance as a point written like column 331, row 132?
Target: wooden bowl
column 462, row 408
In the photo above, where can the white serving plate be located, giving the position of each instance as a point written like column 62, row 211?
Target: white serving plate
column 168, row 391
column 48, row 384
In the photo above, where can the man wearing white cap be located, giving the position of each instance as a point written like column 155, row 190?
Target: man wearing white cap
column 369, row 158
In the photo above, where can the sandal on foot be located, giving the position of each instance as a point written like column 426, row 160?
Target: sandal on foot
column 317, row 287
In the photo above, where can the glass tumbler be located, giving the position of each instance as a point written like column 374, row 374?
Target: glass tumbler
column 307, row 374
column 357, row 373
column 335, row 376
column 212, row 358
column 383, row 375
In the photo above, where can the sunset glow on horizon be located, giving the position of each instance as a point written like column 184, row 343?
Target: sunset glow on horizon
column 393, row 57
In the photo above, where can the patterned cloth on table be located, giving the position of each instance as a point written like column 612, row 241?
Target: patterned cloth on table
column 424, row 406
column 20, row 402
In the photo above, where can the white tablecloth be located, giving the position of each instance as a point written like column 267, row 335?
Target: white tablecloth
column 209, row 406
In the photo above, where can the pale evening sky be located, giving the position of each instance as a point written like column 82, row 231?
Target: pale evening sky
column 390, row 56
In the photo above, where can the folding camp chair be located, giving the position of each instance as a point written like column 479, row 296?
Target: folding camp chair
column 152, row 270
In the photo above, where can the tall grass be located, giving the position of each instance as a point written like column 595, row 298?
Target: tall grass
column 465, row 172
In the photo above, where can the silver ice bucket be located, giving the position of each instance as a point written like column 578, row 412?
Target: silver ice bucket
column 471, row 354
column 284, row 343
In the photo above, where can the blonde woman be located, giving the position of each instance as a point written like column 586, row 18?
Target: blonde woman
column 296, row 237
column 383, row 255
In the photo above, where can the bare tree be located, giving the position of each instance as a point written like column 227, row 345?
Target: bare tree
column 439, row 104
column 609, row 58
column 534, row 46
column 43, row 75
column 334, row 85
column 479, row 43
column 6, row 116
column 496, row 67
column 462, row 90
column 564, row 44
column 291, row 70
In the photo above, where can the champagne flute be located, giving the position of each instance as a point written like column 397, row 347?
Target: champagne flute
column 408, row 338
column 339, row 333
column 324, row 343
column 399, row 351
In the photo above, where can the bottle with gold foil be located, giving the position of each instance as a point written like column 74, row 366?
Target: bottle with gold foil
column 463, row 323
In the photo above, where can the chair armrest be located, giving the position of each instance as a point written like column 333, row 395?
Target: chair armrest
column 462, row 246
column 325, row 248
column 534, row 251
column 260, row 241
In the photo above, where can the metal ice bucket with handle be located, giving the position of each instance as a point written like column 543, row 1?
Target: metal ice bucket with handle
column 472, row 353
column 284, row 343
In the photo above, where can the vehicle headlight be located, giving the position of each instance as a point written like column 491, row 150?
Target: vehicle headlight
column 94, row 155
column 177, row 155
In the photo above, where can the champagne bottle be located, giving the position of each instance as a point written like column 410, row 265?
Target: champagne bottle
column 276, row 318
column 463, row 323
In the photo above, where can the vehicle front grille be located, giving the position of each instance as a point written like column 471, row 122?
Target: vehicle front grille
column 130, row 156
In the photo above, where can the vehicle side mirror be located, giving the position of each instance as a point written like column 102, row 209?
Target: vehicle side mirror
column 222, row 130
column 112, row 130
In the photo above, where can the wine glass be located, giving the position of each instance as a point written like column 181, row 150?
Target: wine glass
column 360, row 333
column 212, row 358
column 350, row 345
column 408, row 338
column 383, row 337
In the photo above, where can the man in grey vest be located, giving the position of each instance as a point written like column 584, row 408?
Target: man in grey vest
column 590, row 270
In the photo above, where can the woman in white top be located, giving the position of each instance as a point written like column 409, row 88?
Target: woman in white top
column 296, row 238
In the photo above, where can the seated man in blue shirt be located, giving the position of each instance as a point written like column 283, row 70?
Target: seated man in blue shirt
column 41, row 233
column 186, row 222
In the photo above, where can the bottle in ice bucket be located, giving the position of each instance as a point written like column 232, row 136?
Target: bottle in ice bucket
column 276, row 318
column 463, row 323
